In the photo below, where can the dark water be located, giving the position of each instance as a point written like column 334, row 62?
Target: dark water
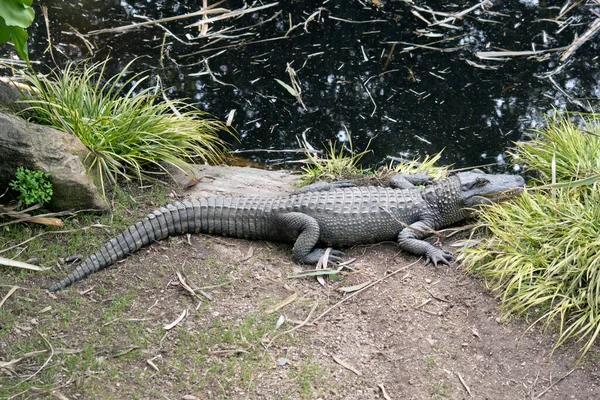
column 410, row 103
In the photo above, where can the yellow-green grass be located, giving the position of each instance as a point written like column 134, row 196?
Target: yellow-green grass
column 131, row 130
column 543, row 257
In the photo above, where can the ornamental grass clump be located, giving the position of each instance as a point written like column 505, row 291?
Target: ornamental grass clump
column 131, row 131
column 543, row 258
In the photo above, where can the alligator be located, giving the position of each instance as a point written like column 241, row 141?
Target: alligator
column 334, row 214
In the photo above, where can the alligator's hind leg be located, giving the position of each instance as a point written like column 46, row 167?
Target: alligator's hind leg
column 306, row 231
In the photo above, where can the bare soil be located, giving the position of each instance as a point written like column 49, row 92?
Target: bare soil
column 422, row 333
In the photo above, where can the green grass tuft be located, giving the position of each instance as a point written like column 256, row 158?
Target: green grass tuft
column 131, row 132
column 543, row 256
column 337, row 164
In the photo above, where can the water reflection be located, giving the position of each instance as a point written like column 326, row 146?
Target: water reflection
column 360, row 77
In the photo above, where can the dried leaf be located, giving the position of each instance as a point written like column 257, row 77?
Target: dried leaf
column 18, row 264
column 315, row 273
column 346, row 365
column 287, row 87
column 178, row 320
column 355, row 288
column 282, row 304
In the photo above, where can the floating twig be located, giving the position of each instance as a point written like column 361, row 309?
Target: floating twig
column 578, row 103
column 578, row 42
column 503, row 55
column 157, row 21
column 357, row 22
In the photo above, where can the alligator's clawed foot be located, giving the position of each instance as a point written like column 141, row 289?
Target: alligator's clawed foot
column 439, row 256
column 314, row 256
column 336, row 255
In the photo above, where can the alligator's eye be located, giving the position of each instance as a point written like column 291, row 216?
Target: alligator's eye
column 479, row 182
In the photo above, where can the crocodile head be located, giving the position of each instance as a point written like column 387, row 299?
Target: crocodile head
column 478, row 187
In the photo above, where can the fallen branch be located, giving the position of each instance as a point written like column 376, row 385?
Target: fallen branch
column 22, row 216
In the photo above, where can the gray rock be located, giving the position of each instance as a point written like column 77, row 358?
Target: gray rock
column 10, row 98
column 57, row 153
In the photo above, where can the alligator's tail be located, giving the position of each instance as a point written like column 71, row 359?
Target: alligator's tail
column 227, row 216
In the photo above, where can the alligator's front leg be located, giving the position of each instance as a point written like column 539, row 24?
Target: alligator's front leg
column 407, row 181
column 410, row 239
column 305, row 230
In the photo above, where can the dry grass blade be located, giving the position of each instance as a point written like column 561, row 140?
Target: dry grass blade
column 22, row 216
column 346, row 365
column 177, row 321
column 282, row 304
column 18, row 264
column 10, row 293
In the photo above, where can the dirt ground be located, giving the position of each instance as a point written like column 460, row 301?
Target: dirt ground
column 420, row 333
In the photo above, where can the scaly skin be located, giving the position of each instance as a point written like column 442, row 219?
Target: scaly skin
column 335, row 215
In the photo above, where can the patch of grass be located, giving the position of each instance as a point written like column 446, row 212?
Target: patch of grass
column 131, row 131
column 564, row 149
column 543, row 255
column 50, row 247
column 308, row 376
column 428, row 163
column 337, row 164
column 343, row 164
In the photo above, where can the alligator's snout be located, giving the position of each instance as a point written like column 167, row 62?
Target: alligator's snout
column 481, row 188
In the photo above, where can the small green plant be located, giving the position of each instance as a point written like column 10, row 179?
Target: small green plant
column 33, row 186
column 335, row 165
column 543, row 256
column 415, row 166
column 131, row 131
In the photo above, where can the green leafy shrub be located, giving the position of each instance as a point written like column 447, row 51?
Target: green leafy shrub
column 131, row 132
column 543, row 256
column 15, row 15
column 33, row 186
